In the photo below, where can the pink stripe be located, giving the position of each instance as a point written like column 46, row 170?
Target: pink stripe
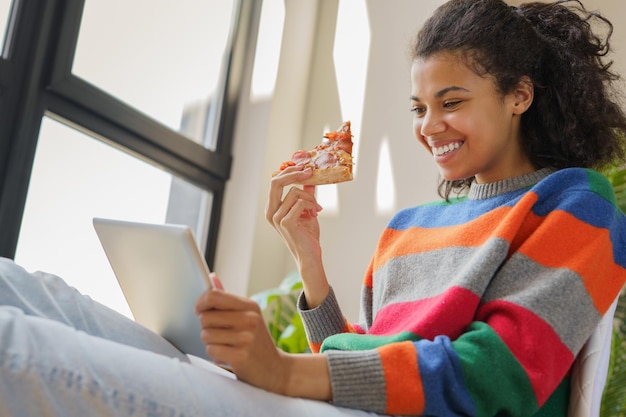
column 446, row 314
column 540, row 351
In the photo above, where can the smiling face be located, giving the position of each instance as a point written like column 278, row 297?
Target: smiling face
column 465, row 123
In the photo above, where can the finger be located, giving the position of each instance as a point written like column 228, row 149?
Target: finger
column 215, row 336
column 292, row 196
column 300, row 208
column 287, row 177
column 291, row 172
column 228, row 357
column 221, row 300
column 226, row 337
column 229, row 319
column 305, row 208
column 310, row 189
column 217, row 283
column 295, row 194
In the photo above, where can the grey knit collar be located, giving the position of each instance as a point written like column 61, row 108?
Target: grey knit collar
column 492, row 189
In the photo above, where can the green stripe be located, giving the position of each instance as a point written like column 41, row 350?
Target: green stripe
column 600, row 185
column 352, row 341
column 442, row 202
column 495, row 379
column 557, row 404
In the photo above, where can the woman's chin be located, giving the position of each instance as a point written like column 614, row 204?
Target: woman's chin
column 447, row 176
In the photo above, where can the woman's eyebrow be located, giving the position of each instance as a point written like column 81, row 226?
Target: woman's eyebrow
column 443, row 91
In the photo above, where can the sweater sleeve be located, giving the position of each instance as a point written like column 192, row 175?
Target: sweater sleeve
column 323, row 321
column 559, row 273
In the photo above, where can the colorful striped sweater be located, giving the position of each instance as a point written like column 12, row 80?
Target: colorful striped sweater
column 478, row 306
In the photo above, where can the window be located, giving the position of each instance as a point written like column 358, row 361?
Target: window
column 134, row 125
column 60, row 206
column 170, row 69
column 5, row 12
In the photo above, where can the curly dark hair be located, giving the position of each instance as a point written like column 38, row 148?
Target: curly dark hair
column 575, row 119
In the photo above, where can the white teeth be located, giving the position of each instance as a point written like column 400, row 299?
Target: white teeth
column 446, row 148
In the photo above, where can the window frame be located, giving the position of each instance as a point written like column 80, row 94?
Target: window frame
column 36, row 81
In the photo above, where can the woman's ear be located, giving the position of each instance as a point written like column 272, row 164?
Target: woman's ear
column 523, row 95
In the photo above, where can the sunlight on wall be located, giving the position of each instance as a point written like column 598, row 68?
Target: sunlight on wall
column 328, row 197
column 385, row 184
column 351, row 54
column 268, row 47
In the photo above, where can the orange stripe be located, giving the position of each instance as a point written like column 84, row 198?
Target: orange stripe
column 420, row 239
column 315, row 346
column 348, row 327
column 405, row 393
column 590, row 244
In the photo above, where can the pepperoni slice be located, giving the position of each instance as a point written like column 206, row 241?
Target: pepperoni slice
column 301, row 157
column 325, row 160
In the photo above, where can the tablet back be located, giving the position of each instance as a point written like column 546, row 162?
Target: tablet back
column 161, row 273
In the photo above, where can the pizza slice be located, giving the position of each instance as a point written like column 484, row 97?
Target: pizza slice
column 331, row 160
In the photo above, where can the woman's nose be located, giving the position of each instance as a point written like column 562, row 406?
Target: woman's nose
column 432, row 124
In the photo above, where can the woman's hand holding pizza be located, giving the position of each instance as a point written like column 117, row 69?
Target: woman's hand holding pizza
column 294, row 216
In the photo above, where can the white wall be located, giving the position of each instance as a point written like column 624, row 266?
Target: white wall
column 307, row 100
column 349, row 236
column 249, row 255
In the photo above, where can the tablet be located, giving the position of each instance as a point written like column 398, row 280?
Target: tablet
column 161, row 272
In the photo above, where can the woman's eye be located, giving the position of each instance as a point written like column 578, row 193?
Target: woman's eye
column 418, row 110
column 450, row 104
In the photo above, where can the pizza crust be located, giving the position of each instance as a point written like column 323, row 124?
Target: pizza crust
column 331, row 175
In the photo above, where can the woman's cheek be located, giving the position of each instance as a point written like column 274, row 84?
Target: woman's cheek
column 417, row 129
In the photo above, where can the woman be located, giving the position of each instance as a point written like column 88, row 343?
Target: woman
column 473, row 305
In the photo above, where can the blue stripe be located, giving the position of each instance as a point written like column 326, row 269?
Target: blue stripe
column 566, row 190
column 440, row 368
column 569, row 190
column 451, row 214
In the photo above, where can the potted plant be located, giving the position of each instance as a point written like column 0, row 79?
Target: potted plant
column 281, row 315
column 614, row 396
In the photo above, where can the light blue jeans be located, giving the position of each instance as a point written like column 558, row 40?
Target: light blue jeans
column 63, row 354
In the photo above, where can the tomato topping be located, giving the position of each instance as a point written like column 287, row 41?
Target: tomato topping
column 287, row 164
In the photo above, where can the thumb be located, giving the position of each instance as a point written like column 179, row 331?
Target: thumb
column 309, row 189
column 217, row 284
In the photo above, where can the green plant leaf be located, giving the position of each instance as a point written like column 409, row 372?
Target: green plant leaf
column 280, row 313
column 614, row 396
column 293, row 339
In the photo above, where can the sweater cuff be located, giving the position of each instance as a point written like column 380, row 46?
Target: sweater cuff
column 322, row 321
column 354, row 383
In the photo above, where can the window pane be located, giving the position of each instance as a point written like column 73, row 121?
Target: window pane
column 75, row 178
column 163, row 58
column 5, row 11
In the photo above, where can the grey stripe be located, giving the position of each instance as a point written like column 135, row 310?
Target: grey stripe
column 365, row 315
column 423, row 275
column 546, row 292
column 357, row 380
column 324, row 320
